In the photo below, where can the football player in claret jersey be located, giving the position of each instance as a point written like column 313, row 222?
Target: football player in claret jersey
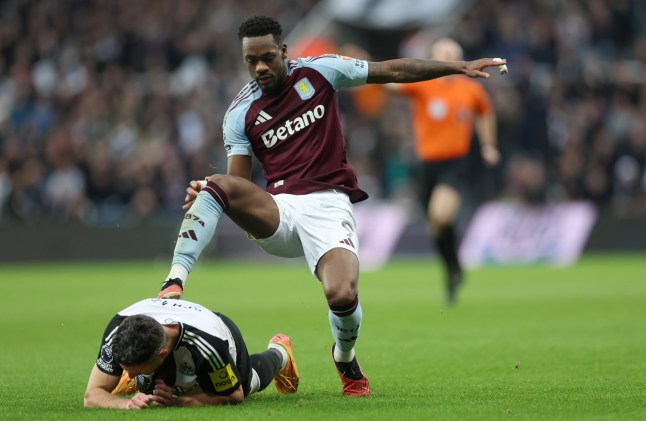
column 179, row 353
column 288, row 118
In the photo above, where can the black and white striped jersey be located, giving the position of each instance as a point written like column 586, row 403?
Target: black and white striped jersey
column 204, row 359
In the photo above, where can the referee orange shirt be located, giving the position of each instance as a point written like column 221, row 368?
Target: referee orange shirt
column 443, row 112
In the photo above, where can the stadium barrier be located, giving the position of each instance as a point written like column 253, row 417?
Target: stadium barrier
column 19, row 243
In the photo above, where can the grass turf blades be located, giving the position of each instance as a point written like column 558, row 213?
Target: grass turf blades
column 529, row 342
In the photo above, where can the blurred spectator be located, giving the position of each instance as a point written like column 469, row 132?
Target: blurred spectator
column 109, row 108
column 571, row 111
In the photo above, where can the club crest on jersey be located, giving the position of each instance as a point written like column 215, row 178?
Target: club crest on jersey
column 304, row 88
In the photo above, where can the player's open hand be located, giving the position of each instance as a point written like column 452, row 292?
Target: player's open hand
column 475, row 68
column 195, row 186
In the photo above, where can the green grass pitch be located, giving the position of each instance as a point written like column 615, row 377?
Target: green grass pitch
column 523, row 343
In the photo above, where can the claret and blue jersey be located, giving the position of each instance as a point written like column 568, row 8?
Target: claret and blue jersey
column 296, row 133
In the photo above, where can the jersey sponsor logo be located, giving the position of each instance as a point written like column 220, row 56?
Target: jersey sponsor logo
column 262, row 117
column 304, row 88
column 224, row 378
column 271, row 136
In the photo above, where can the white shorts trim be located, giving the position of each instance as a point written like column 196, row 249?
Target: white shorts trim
column 311, row 225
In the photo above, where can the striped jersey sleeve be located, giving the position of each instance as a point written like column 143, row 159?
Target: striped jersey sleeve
column 105, row 361
column 236, row 141
column 340, row 71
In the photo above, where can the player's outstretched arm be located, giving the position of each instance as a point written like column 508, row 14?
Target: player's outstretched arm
column 205, row 399
column 98, row 393
column 407, row 70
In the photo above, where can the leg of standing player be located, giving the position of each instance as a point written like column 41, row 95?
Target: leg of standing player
column 256, row 212
column 443, row 208
column 249, row 206
column 338, row 270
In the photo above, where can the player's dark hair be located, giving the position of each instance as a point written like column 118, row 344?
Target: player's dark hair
column 138, row 339
column 258, row 26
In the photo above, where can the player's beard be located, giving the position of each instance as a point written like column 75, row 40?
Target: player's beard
column 267, row 82
column 273, row 83
column 273, row 86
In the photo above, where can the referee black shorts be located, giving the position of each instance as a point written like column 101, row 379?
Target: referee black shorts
column 452, row 172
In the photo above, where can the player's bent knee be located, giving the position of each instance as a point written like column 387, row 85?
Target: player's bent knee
column 232, row 185
column 226, row 182
column 341, row 296
column 218, row 179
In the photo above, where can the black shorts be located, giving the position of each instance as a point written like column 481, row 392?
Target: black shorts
column 453, row 172
column 243, row 362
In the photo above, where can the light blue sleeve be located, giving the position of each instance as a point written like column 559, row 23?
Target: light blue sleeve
column 236, row 141
column 340, row 71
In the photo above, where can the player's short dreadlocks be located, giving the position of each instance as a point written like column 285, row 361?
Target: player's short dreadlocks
column 258, row 26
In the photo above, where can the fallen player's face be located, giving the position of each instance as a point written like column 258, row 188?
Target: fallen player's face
column 265, row 61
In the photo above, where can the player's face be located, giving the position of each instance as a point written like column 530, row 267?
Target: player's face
column 265, row 61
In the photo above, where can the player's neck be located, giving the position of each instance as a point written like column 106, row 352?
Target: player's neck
column 172, row 335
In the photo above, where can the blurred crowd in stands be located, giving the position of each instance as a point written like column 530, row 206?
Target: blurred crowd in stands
column 109, row 108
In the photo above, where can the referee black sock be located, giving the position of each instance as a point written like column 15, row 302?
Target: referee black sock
column 447, row 246
column 267, row 365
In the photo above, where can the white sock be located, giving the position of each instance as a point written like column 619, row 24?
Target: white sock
column 345, row 331
column 178, row 271
column 343, row 357
column 255, row 382
column 283, row 352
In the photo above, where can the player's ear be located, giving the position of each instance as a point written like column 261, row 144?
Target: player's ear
column 163, row 353
column 283, row 51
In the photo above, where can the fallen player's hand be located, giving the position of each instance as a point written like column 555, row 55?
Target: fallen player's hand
column 163, row 394
column 140, row 401
column 192, row 190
